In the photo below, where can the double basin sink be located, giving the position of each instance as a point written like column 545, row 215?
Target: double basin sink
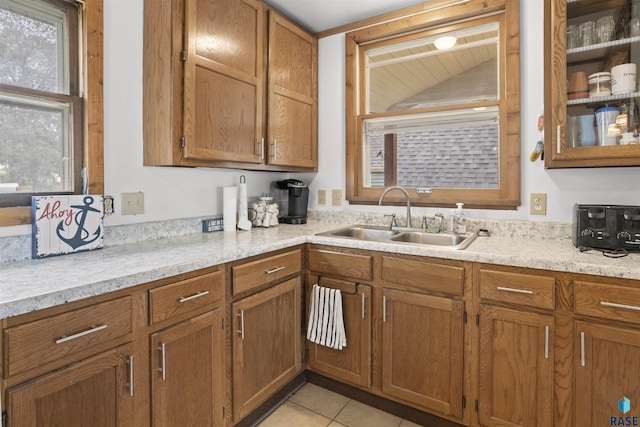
column 403, row 235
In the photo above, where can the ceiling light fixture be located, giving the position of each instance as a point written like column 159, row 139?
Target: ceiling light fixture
column 445, row 42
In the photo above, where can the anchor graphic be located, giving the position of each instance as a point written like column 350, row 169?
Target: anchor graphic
column 82, row 234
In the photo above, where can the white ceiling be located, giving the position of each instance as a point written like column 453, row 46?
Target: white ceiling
column 321, row 15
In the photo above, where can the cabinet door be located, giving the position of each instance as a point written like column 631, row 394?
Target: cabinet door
column 223, row 83
column 293, row 95
column 352, row 364
column 422, row 341
column 516, row 368
column 266, row 344
column 187, row 373
column 95, row 392
column 571, row 132
column 607, row 368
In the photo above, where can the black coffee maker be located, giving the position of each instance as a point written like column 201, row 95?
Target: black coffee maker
column 292, row 201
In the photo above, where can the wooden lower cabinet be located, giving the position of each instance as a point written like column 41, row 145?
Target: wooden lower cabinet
column 422, row 350
column 607, row 363
column 266, row 344
column 352, row 364
column 187, row 373
column 516, row 368
column 96, row 392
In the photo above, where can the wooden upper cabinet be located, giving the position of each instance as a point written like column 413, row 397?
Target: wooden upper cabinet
column 206, row 69
column 223, row 86
column 293, row 95
column 570, row 121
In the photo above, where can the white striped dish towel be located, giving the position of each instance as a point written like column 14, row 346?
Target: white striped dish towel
column 326, row 322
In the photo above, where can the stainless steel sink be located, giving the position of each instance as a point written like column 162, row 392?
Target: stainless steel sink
column 455, row 241
column 363, row 232
column 403, row 236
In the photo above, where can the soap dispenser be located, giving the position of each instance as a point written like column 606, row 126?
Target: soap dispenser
column 459, row 220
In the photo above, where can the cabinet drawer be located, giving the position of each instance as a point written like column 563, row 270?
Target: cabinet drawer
column 256, row 273
column 184, row 296
column 43, row 341
column 608, row 301
column 516, row 288
column 341, row 264
column 423, row 275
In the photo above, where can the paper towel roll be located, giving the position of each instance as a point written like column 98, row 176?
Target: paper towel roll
column 229, row 207
column 243, row 207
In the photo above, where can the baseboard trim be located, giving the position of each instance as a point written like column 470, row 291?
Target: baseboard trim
column 271, row 404
column 397, row 409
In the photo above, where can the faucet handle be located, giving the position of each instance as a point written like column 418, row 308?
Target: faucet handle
column 394, row 222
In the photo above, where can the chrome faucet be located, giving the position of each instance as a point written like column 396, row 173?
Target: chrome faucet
column 406, row 195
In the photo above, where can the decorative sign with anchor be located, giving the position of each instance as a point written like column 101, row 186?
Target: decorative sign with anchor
column 66, row 224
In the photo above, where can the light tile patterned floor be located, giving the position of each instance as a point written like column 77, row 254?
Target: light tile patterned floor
column 313, row 406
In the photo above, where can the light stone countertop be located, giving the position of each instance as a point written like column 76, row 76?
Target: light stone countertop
column 29, row 285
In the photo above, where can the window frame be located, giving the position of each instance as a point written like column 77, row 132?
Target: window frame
column 442, row 16
column 91, row 78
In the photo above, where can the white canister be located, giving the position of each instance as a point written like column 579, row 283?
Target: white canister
column 599, row 84
column 623, row 79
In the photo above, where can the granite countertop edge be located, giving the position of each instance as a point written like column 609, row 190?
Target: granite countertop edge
column 30, row 285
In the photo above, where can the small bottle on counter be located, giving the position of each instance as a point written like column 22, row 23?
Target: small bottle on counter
column 459, row 220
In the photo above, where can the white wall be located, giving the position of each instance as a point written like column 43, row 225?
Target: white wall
column 563, row 187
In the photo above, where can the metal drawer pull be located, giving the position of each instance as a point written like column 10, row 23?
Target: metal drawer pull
column 623, row 306
column 241, row 331
column 275, row 270
column 130, row 383
column 91, row 330
column 517, row 291
column 363, row 298
column 384, row 309
column 582, row 357
column 546, row 342
column 163, row 352
column 198, row 295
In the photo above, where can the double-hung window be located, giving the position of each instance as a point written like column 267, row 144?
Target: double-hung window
column 433, row 105
column 44, row 108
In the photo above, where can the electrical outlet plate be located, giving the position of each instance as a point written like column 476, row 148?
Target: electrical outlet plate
column 538, row 203
column 132, row 203
column 336, row 198
column 322, row 197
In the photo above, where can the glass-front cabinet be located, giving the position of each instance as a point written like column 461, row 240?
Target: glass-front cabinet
column 592, row 60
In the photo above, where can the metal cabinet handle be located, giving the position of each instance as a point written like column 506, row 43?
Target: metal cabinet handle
column 189, row 298
column 262, row 149
column 558, row 134
column 275, row 270
column 582, row 356
column 163, row 353
column 515, row 290
column 384, row 308
column 241, row 331
column 91, row 330
column 363, row 298
column 623, row 306
column 546, row 342
column 275, row 149
column 130, row 383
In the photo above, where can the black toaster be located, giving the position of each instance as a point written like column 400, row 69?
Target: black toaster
column 611, row 227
